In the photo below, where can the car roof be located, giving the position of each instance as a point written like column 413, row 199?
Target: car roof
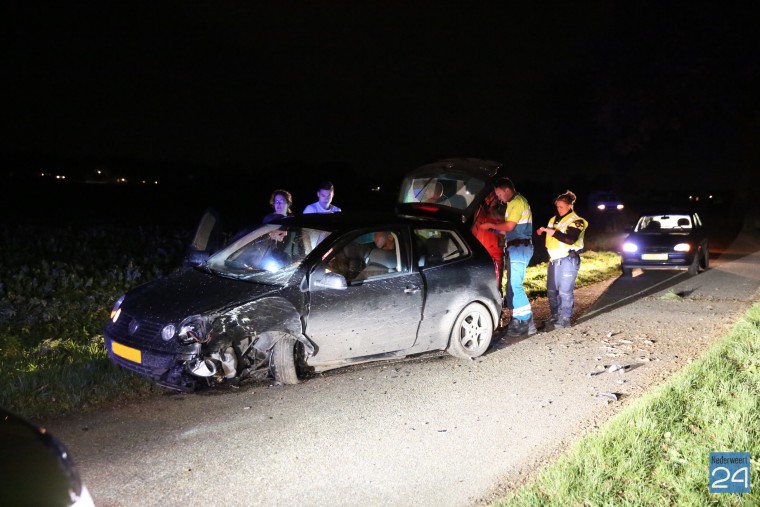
column 673, row 211
column 353, row 220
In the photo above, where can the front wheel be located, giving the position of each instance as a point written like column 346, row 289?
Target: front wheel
column 472, row 331
column 694, row 266
column 628, row 272
column 705, row 259
column 282, row 361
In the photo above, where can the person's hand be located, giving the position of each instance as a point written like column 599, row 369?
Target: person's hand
column 485, row 225
column 540, row 230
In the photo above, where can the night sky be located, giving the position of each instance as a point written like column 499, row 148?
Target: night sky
column 621, row 94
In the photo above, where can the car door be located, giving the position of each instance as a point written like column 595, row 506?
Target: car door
column 379, row 309
column 451, row 281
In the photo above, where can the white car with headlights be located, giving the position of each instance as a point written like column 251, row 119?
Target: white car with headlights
column 667, row 241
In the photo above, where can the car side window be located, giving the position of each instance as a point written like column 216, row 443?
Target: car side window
column 438, row 246
column 376, row 254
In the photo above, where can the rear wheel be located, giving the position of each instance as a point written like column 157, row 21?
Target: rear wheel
column 282, row 361
column 472, row 332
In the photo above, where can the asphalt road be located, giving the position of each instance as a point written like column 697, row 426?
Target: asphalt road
column 428, row 431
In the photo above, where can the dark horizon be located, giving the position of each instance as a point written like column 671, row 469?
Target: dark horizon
column 631, row 97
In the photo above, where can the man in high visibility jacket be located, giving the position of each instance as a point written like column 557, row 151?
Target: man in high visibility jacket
column 518, row 250
column 564, row 241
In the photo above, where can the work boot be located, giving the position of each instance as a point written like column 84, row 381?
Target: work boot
column 549, row 324
column 562, row 323
column 518, row 328
column 531, row 327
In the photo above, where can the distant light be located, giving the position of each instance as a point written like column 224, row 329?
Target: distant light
column 98, row 171
column 42, row 174
column 620, row 206
column 601, row 206
column 155, row 182
column 710, row 197
column 375, row 189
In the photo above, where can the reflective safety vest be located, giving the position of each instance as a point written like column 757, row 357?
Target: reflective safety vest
column 558, row 249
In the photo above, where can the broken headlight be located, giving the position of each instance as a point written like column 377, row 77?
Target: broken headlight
column 193, row 329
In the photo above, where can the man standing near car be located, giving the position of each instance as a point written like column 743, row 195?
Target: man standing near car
column 564, row 241
column 518, row 250
column 324, row 203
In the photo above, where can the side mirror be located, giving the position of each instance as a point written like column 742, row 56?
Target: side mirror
column 331, row 281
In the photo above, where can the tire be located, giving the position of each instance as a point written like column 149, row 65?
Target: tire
column 471, row 335
column 694, row 266
column 705, row 259
column 628, row 272
column 282, row 361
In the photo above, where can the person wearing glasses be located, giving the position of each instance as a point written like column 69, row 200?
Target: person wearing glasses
column 281, row 201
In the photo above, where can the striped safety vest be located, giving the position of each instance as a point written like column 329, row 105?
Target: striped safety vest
column 558, row 249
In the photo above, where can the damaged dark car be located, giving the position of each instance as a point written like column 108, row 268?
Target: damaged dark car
column 316, row 292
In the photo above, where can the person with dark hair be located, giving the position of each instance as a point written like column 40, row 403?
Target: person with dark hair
column 518, row 250
column 564, row 241
column 281, row 201
column 324, row 203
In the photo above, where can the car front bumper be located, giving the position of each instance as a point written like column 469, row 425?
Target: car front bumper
column 165, row 369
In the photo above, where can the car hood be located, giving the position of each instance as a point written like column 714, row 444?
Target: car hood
column 191, row 292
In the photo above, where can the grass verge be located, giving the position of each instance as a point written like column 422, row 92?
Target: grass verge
column 656, row 451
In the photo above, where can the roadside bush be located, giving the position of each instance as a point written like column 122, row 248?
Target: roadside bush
column 57, row 285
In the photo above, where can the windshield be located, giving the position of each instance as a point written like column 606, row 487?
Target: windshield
column 656, row 223
column 269, row 255
column 453, row 190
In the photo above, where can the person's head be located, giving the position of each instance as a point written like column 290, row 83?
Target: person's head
column 325, row 194
column 385, row 241
column 433, row 192
column 281, row 201
column 504, row 189
column 564, row 202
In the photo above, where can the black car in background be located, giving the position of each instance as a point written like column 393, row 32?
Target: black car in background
column 315, row 292
column 676, row 240
column 36, row 468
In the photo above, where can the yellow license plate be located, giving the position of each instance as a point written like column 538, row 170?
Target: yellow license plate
column 129, row 353
column 654, row 257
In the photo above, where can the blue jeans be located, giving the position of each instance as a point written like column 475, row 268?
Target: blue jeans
column 517, row 259
column 560, row 283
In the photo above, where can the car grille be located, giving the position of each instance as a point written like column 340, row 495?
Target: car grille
column 147, row 334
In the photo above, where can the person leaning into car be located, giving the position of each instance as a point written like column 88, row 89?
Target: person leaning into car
column 564, row 241
column 518, row 249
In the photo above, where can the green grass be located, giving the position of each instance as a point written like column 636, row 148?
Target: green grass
column 655, row 452
column 57, row 286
